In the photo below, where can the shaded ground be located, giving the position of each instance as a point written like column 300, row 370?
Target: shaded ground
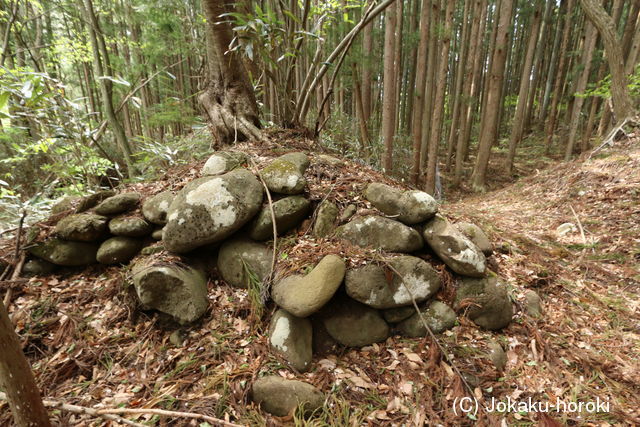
column 90, row 344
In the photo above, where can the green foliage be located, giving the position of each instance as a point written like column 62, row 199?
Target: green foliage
column 603, row 87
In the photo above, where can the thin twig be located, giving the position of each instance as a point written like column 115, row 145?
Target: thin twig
column 163, row 412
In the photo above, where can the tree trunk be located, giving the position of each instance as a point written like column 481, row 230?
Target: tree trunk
column 622, row 103
column 494, row 88
column 17, row 379
column 367, row 48
column 228, row 99
column 389, row 97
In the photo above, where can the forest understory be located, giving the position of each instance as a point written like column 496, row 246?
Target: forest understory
column 90, row 344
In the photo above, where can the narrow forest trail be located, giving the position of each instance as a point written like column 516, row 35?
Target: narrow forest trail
column 588, row 339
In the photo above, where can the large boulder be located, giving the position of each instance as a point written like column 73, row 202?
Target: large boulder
column 437, row 315
column 236, row 256
column 82, row 227
column 410, row 207
column 207, row 210
column 155, row 208
column 118, row 250
column 289, row 212
column 303, row 295
column 65, row 253
column 485, row 301
column 118, row 204
column 326, row 216
column 281, row 397
column 354, row 324
column 393, row 286
column 284, row 177
column 381, row 233
column 131, row 226
column 179, row 291
column 454, row 248
column 298, row 158
column 291, row 337
column 223, row 162
column 477, row 236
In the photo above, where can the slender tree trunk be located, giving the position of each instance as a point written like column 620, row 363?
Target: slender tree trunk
column 525, row 80
column 397, row 64
column 412, row 64
column 496, row 77
column 429, row 86
column 622, row 103
column 389, row 97
column 367, row 48
column 553, row 62
column 16, row 378
column 439, row 104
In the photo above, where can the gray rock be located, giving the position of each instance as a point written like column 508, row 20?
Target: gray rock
column 223, row 162
column 454, row 248
column 281, row 397
column 329, row 160
column 398, row 314
column 292, row 337
column 298, row 158
column 155, row 208
column 348, row 212
column 208, row 210
column 323, row 343
column 497, row 355
column 354, row 324
column 178, row 337
column 381, row 233
column 289, row 212
column 82, row 227
column 409, row 207
column 486, row 301
column 130, row 227
column 304, row 295
column 282, row 176
column 118, row 204
column 36, row 267
column 65, row 253
column 152, row 249
column 409, row 277
column 67, row 204
column 437, row 315
column 90, row 201
column 157, row 233
column 118, row 250
column 532, row 303
column 238, row 255
column 477, row 236
column 179, row 291
column 326, row 215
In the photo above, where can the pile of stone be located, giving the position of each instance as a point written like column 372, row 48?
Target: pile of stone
column 224, row 212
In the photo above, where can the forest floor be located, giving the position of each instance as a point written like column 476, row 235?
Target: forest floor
column 90, row 345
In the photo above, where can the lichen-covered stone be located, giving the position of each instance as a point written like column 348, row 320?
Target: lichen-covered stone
column 65, row 253
column 454, row 248
column 131, row 226
column 289, row 212
column 298, row 158
column 532, row 303
column 291, row 337
column 223, row 162
column 152, row 249
column 393, row 286
column 354, row 324
column 497, row 355
column 304, row 295
column 347, row 213
column 437, row 315
column 209, row 209
column 476, row 235
column 381, row 233
column 82, row 227
column 118, row 204
column 326, row 215
column 281, row 397
column 67, row 204
column 284, row 177
column 329, row 160
column 398, row 314
column 118, row 250
column 155, row 208
column 179, row 291
column 36, row 267
column 236, row 256
column 90, row 201
column 409, row 207
column 485, row 301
